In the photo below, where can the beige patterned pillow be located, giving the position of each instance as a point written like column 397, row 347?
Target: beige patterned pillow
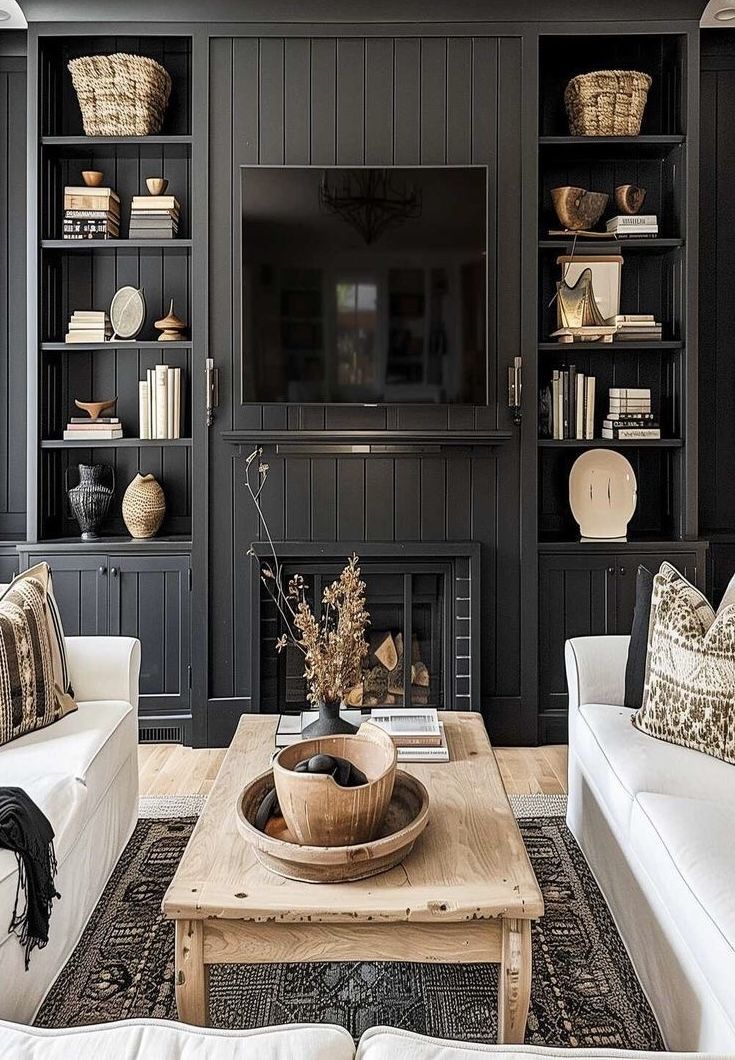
column 689, row 695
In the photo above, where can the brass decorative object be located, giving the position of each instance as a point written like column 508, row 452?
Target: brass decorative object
column 93, row 177
column 94, row 409
column 156, row 185
column 575, row 304
column 578, row 208
column 171, row 327
column 144, row 506
column 629, row 198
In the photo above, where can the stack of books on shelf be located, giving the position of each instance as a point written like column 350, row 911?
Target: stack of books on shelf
column 89, row 326
column 572, row 404
column 417, row 733
column 154, row 217
column 630, row 415
column 637, row 327
column 91, row 213
column 159, row 403
column 82, row 428
column 633, row 226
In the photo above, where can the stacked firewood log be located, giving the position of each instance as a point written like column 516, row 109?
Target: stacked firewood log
column 383, row 674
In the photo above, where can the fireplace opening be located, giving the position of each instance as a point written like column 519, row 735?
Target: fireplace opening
column 420, row 633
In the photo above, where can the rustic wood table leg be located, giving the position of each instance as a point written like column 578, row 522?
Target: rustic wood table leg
column 514, row 984
column 192, row 975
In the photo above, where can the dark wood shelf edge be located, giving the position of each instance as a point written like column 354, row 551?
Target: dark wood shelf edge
column 602, row 245
column 566, row 347
column 610, row 443
column 646, row 139
column 116, row 244
column 106, row 141
column 658, row 544
column 85, row 347
column 367, row 439
column 163, row 543
column 112, row 443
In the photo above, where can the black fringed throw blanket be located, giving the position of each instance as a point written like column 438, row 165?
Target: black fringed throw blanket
column 25, row 830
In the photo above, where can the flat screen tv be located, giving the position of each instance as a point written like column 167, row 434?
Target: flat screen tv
column 364, row 286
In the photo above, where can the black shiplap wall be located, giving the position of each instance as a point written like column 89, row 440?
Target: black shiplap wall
column 366, row 100
column 12, row 296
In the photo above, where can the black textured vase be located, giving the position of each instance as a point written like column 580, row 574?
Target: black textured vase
column 91, row 498
column 328, row 723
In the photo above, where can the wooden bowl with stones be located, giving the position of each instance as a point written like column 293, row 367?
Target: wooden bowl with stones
column 321, row 812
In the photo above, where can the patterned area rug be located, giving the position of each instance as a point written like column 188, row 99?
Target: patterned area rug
column 584, row 994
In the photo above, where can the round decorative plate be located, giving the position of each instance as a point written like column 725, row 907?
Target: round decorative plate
column 404, row 822
column 127, row 312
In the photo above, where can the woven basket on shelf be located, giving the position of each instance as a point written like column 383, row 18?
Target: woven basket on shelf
column 120, row 95
column 607, row 102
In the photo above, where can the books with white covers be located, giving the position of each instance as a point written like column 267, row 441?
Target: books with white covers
column 634, row 220
column 409, row 727
column 290, row 725
column 159, row 403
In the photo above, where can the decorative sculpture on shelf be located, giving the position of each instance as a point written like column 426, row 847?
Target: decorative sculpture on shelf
column 91, row 498
column 603, row 494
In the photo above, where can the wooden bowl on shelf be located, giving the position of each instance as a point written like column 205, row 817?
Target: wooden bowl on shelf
column 578, row 208
column 92, row 177
column 319, row 811
column 404, row 821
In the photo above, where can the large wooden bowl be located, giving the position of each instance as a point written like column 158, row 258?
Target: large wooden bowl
column 407, row 817
column 578, row 208
column 317, row 810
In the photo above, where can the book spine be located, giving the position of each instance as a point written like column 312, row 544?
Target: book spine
column 579, row 423
column 572, row 400
column 631, row 433
column 169, row 402
column 177, row 403
column 152, row 402
column 161, row 401
column 144, row 427
column 565, row 404
column 590, row 407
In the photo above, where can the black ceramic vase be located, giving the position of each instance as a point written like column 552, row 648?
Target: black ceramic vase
column 328, row 723
column 91, row 498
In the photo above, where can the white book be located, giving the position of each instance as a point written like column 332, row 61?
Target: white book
column 556, row 418
column 589, row 407
column 629, row 392
column 144, row 425
column 96, row 435
column 177, row 403
column 290, row 725
column 161, row 401
column 170, row 414
column 151, row 376
column 632, row 220
column 579, row 407
column 631, row 433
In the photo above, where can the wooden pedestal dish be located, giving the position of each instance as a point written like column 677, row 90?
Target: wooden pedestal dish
column 405, row 820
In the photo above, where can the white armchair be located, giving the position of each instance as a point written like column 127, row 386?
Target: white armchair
column 104, row 668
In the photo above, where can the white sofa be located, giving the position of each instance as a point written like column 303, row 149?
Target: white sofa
column 163, row 1040
column 656, row 823
column 83, row 773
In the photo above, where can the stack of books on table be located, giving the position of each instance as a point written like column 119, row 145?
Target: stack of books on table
column 633, row 226
column 89, row 326
column 637, row 327
column 91, row 213
column 572, row 404
column 417, row 733
column 159, row 403
column 154, row 217
column 82, row 428
column 630, row 415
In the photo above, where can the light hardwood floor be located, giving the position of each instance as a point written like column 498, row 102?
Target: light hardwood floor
column 169, row 769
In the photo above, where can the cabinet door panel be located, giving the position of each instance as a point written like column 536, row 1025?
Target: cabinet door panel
column 149, row 599
column 577, row 599
column 627, row 567
column 80, row 588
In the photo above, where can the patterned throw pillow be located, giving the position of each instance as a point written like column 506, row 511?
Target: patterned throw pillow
column 689, row 696
column 34, row 682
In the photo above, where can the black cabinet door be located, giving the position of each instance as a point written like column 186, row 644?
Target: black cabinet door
column 577, row 599
column 690, row 564
column 81, row 590
column 149, row 599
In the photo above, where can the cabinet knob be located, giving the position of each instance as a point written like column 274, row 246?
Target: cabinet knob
column 103, row 571
column 113, row 572
column 610, row 570
column 622, row 570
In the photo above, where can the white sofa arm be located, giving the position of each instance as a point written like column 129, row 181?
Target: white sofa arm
column 104, row 668
column 595, row 671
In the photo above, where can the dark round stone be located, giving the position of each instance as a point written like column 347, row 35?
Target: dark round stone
column 321, row 764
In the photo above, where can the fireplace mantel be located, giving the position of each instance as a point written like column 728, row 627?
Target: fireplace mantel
column 362, row 442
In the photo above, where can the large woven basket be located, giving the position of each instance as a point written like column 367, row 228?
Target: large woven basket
column 607, row 102
column 120, row 95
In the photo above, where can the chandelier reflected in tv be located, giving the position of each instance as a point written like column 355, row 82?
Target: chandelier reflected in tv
column 371, row 200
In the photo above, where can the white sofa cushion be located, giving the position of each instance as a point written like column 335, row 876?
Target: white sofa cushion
column 621, row 761
column 164, row 1040
column 686, row 848
column 89, row 745
column 386, row 1043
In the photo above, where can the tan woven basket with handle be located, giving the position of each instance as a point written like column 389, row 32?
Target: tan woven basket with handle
column 607, row 102
column 120, row 95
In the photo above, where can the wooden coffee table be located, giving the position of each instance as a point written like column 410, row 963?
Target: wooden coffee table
column 465, row 894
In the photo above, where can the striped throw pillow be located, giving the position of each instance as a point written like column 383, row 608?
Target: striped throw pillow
column 34, row 680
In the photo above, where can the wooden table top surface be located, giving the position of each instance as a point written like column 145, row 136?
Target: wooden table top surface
column 470, row 863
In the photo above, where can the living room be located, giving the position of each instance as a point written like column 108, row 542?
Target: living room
column 367, row 667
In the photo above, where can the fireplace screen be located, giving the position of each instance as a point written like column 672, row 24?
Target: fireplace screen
column 409, row 636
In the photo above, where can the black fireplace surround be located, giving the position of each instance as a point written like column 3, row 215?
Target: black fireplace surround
column 423, row 595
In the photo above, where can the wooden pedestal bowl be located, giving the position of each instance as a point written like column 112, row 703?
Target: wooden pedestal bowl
column 319, row 811
column 404, row 822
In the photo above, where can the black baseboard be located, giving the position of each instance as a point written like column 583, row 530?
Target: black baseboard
column 553, row 727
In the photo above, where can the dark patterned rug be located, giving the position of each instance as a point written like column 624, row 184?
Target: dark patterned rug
column 584, row 994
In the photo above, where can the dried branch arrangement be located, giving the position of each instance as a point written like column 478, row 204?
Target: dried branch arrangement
column 332, row 642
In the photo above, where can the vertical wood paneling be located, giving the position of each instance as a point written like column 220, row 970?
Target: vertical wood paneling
column 407, row 102
column 379, row 499
column 297, row 101
column 459, row 99
column 433, row 490
column 351, row 500
column 378, row 101
column 434, row 101
column 408, row 499
column 298, row 492
column 271, row 102
column 350, row 102
column 323, row 102
column 324, row 499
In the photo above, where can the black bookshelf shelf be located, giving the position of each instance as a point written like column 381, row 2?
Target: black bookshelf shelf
column 114, row 443
column 608, row 347
column 603, row 246
column 104, row 141
column 644, row 140
column 136, row 344
column 75, row 245
column 610, row 443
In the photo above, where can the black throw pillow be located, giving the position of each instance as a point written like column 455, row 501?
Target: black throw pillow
column 635, row 670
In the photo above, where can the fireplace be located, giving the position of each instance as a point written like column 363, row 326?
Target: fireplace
column 424, row 605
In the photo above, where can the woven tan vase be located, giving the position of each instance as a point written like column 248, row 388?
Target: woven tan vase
column 120, row 95
column 607, row 102
column 144, row 506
